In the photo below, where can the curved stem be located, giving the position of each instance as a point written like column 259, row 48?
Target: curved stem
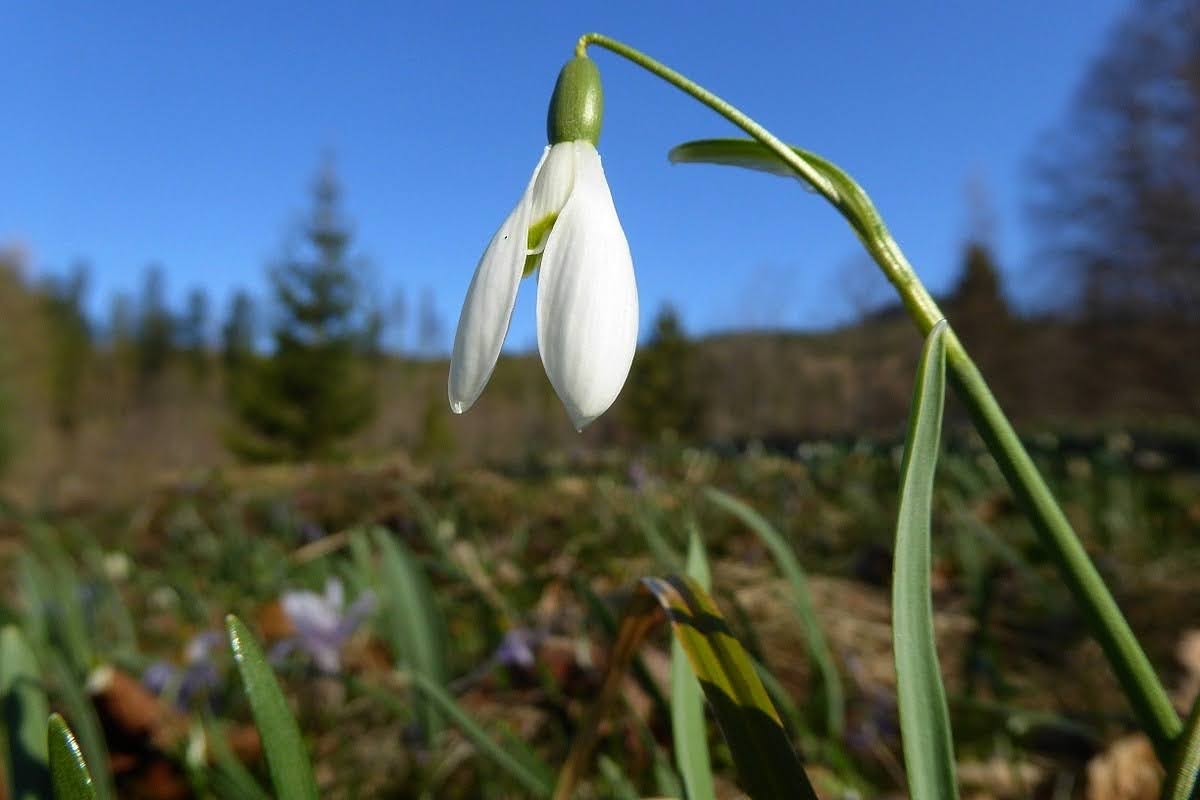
column 1129, row 662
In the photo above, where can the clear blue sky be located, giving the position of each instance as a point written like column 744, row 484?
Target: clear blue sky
column 189, row 134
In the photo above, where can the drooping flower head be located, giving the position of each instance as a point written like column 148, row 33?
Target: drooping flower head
column 566, row 228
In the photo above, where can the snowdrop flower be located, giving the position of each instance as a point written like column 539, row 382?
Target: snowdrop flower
column 564, row 226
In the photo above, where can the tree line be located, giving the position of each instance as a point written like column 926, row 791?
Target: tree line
column 1114, row 197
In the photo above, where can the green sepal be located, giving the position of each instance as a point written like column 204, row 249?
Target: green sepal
column 577, row 105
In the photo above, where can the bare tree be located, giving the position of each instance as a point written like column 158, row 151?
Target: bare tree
column 1118, row 185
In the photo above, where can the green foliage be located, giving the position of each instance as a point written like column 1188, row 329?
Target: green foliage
column 661, row 395
column 508, row 752
column 1183, row 780
column 436, row 439
column 291, row 772
column 237, row 333
column 193, row 334
column 920, row 696
column 70, row 347
column 768, row 766
column 154, row 334
column 789, row 565
column 68, row 770
column 411, row 620
column 26, row 710
column 8, row 442
column 316, row 388
column 687, row 701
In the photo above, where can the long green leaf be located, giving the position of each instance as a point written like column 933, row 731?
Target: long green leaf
column 513, row 755
column 228, row 775
column 687, row 704
column 1183, row 783
column 291, row 772
column 86, row 727
column 788, row 564
column 411, row 620
column 507, row 751
column 844, row 192
column 767, row 764
column 26, row 710
column 68, row 770
column 1124, row 652
column 924, row 714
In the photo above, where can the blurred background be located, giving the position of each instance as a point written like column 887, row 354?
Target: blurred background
column 234, row 241
column 181, row 180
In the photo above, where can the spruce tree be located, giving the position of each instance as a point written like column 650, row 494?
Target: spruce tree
column 70, row 347
column 193, row 334
column 154, row 336
column 237, row 332
column 315, row 389
column 662, row 395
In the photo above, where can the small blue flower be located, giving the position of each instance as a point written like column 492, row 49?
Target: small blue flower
column 322, row 627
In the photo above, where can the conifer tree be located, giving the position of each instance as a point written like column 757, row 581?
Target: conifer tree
column 662, row 395
column 193, row 334
column 154, row 337
column 70, row 343
column 315, row 388
column 237, row 332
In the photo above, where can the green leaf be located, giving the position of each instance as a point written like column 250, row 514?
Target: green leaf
column 619, row 786
column 86, row 727
column 411, row 620
column 658, row 545
column 837, row 186
column 767, row 764
column 687, row 706
column 58, row 597
column 924, row 715
column 1183, row 782
column 511, row 754
column 291, row 772
column 68, row 770
column 507, row 751
column 787, row 563
column 26, row 710
column 227, row 775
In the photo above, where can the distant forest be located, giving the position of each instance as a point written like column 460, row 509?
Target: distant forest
column 312, row 372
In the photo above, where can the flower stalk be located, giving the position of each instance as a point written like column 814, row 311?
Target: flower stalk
column 1128, row 660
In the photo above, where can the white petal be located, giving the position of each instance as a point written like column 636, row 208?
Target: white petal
column 587, row 305
column 554, row 182
column 488, row 308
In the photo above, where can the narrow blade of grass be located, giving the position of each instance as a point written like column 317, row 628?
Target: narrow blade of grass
column 924, row 715
column 25, row 713
column 411, row 620
column 1183, row 782
column 68, row 771
column 687, row 705
column 287, row 761
column 785, row 560
column 228, row 775
column 656, row 543
column 86, row 727
column 507, row 751
column 512, row 754
column 767, row 764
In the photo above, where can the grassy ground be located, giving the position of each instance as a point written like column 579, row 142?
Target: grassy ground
column 528, row 566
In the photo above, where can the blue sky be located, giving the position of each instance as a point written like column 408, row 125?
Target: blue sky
column 189, row 134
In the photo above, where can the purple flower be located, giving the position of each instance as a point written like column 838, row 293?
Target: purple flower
column 517, row 648
column 322, row 626
column 197, row 677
